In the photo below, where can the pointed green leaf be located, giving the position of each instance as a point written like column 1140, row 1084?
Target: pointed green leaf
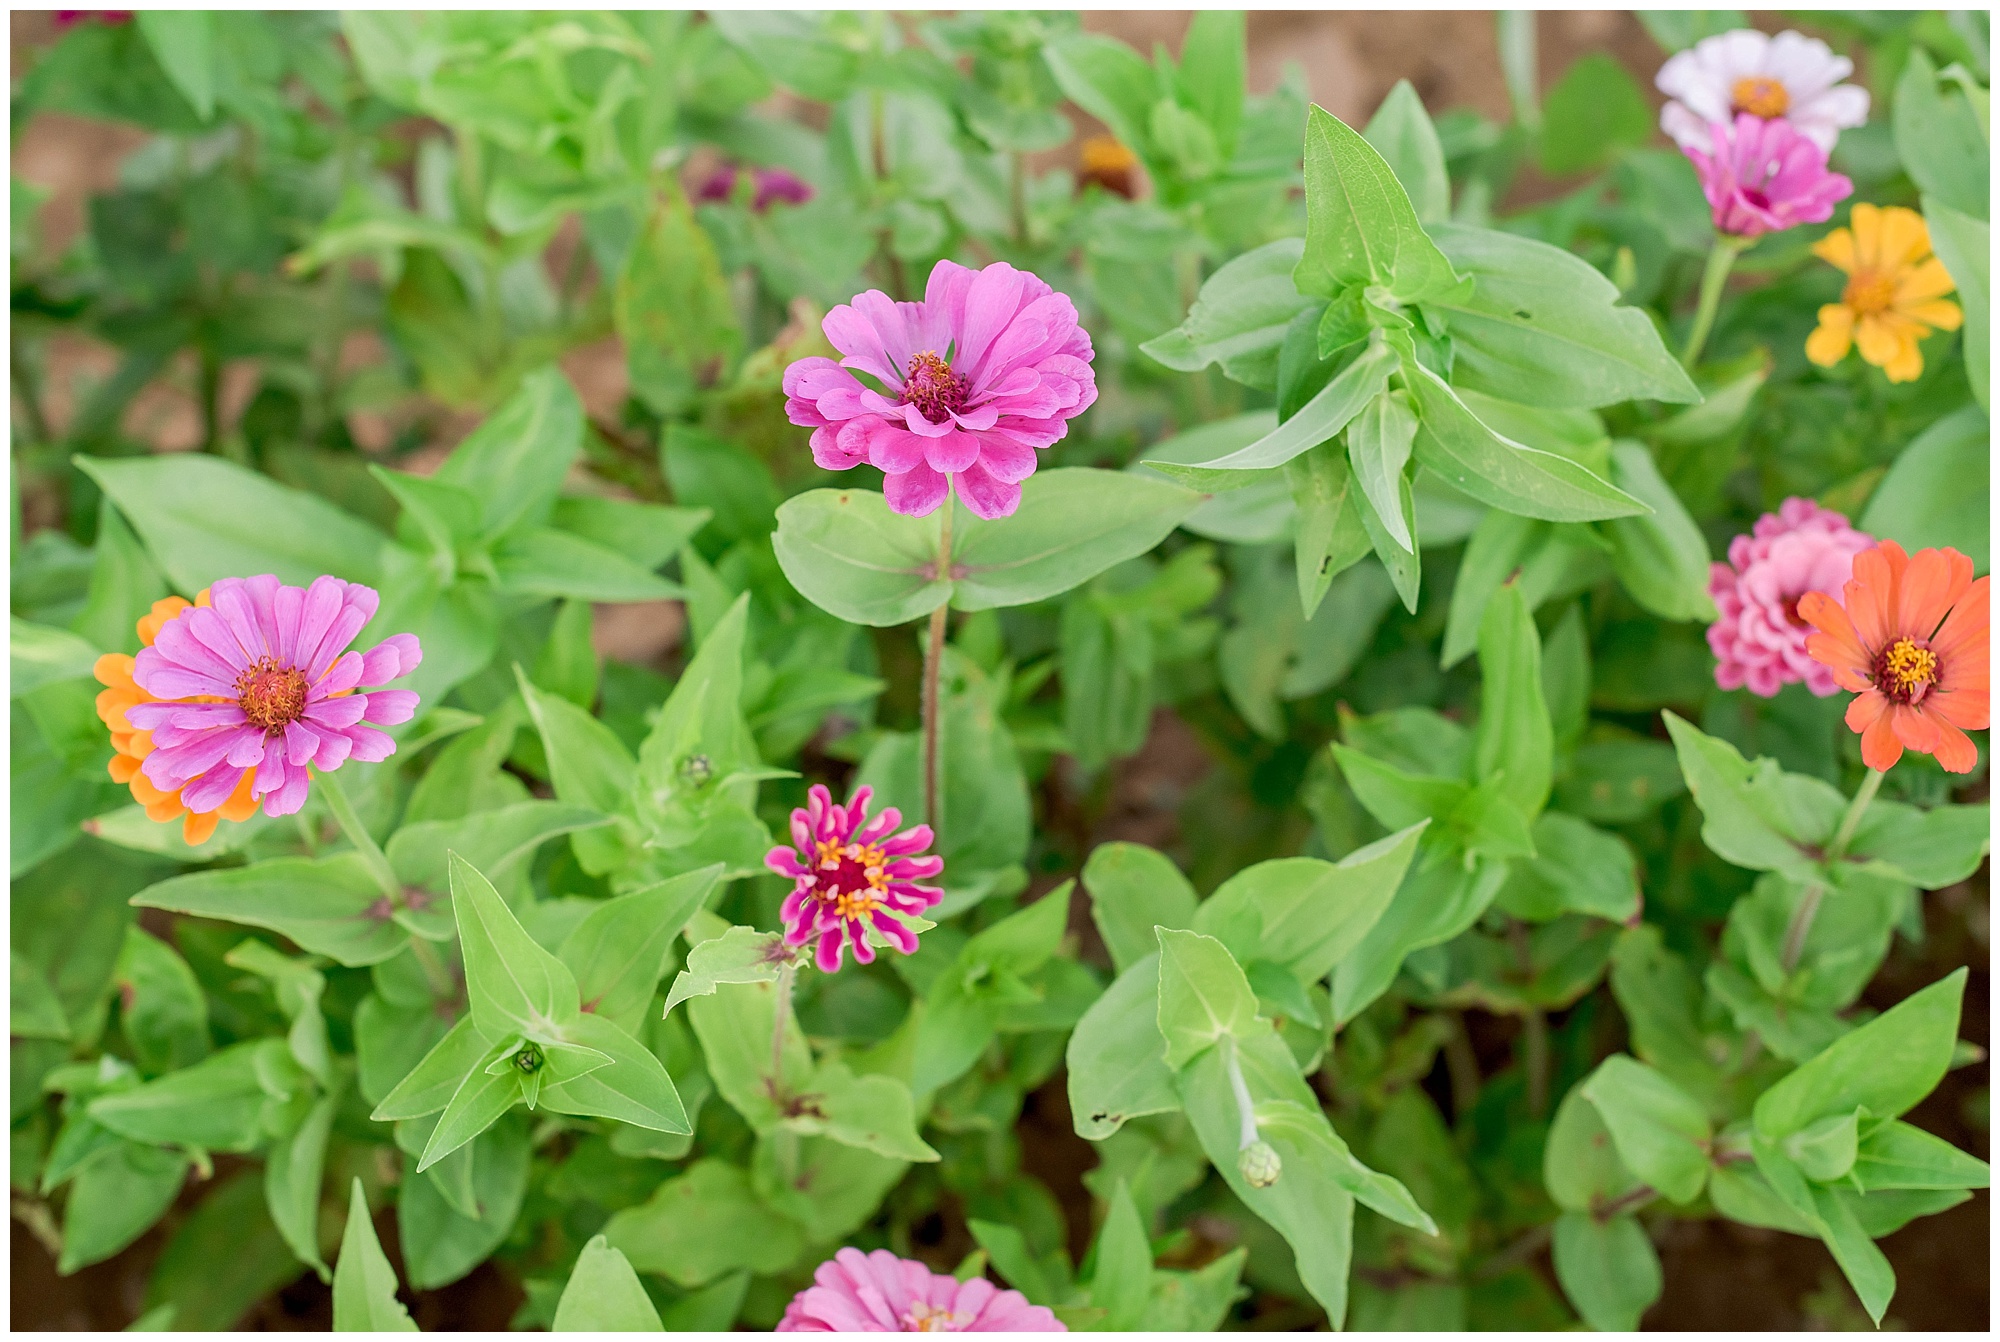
column 364, row 1285
column 1124, row 1279
column 1884, row 1066
column 1402, row 133
column 431, row 1084
column 1662, row 1134
column 1134, row 889
column 1360, row 226
column 1513, row 736
column 634, row 1088
column 515, row 986
column 1608, row 1269
column 1203, row 996
column 604, row 1295
column 481, row 1098
column 1117, row 1060
column 620, row 951
column 740, row 955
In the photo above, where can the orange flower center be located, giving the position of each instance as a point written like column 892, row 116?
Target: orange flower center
column 850, row 877
column 271, row 696
column 1760, row 96
column 927, row 1319
column 936, row 391
column 1905, row 671
column 1868, row 292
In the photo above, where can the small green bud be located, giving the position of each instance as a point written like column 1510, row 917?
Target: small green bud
column 1259, row 1164
column 696, row 770
column 529, row 1060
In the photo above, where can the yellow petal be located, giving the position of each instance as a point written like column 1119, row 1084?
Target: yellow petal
column 1837, row 250
column 1866, row 221
column 1920, row 282
column 1905, row 240
column 1879, row 339
column 1941, row 313
column 1833, row 337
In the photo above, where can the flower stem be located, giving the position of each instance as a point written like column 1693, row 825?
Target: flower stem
column 1800, row 926
column 1017, row 197
column 933, row 666
column 358, row 835
column 444, row 986
column 1246, row 1110
column 778, row 1016
column 1721, row 257
column 1850, row 822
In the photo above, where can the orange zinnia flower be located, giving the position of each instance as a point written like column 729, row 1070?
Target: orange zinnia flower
column 120, row 692
column 1910, row 640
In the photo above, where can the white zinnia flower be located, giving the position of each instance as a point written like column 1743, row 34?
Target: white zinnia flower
column 1791, row 76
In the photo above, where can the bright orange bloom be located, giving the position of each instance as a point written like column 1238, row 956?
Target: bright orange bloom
column 120, row 692
column 1910, row 639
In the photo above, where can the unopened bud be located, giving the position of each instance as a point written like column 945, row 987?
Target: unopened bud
column 1259, row 1164
column 696, row 770
column 529, row 1059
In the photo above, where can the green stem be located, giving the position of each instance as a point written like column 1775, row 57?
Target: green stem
column 444, row 986
column 1721, row 257
column 778, row 1018
column 358, row 835
column 1863, row 796
column 1018, row 197
column 933, row 665
column 1800, row 926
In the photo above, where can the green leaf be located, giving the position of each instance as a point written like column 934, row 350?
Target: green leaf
column 1378, row 445
column 1754, row 815
column 1195, row 1301
column 515, row 986
column 1239, row 318
column 430, row 1086
column 620, row 951
column 1661, row 558
column 646, row 534
column 116, row 1197
column 1897, row 1155
column 1008, row 1250
column 219, row 1103
column 35, row 1013
column 124, row 584
column 292, row 1173
column 1932, row 849
column 1964, row 244
column 364, row 1285
column 1123, row 1282
column 1117, row 1065
column 184, row 43
column 589, row 766
column 962, row 1011
column 1941, row 137
column 1211, row 72
column 734, row 1026
column 442, row 1244
column 1107, row 79
column 604, row 1295
column 1884, row 1066
column 1402, row 133
column 515, row 461
column 205, row 518
column 674, row 311
column 1661, row 1133
column 702, row 1224
column 1134, row 889
column 1331, row 535
column 1073, row 523
column 1500, row 472
column 1321, row 418
column 1594, row 111
column 1931, row 495
column 634, row 1088
column 740, row 955
column 1204, row 996
column 1580, row 1164
column 873, row 1113
column 1543, row 327
column 42, row 656
column 331, row 906
column 161, row 1006
column 1577, row 868
column 542, row 561
column 1608, row 1269
column 1513, row 737
column 480, row 1100
column 500, row 842
column 1360, row 226
column 850, row 555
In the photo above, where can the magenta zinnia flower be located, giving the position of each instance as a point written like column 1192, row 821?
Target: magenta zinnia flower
column 261, row 679
column 772, row 185
column 1764, row 176
column 848, row 868
column 974, row 380
column 1760, row 638
column 853, row 1292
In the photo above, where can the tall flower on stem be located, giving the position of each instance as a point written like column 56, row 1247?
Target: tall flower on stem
column 1894, row 296
column 256, row 687
column 1910, row 638
column 851, row 874
column 1759, row 177
column 855, row 1292
column 968, row 385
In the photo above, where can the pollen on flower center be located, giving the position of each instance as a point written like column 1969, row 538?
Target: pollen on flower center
column 928, row 1319
column 1906, row 671
column 1760, row 96
column 936, row 391
column 847, row 870
column 1869, row 291
column 271, row 697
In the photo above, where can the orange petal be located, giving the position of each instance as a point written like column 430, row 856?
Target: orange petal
column 114, row 669
column 1939, row 312
column 1966, row 629
column 198, row 826
column 242, row 803
column 1871, row 593
column 1879, row 747
column 123, row 768
column 1836, row 645
column 163, row 811
column 1926, row 594
column 1970, row 709
column 1914, row 728
column 1954, row 751
column 1864, row 709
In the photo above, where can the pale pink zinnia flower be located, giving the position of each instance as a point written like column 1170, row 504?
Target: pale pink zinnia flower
column 850, row 873
column 853, row 1292
column 1760, row 638
column 1763, row 176
column 261, row 679
column 988, row 369
column 1790, row 76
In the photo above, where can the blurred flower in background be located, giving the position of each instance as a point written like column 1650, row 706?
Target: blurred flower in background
column 1895, row 294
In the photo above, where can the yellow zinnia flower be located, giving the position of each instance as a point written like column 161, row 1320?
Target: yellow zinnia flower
column 1895, row 292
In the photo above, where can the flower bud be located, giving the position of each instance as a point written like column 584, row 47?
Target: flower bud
column 1259, row 1164
column 529, row 1060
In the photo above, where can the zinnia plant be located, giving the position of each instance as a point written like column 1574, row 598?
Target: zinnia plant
column 1789, row 77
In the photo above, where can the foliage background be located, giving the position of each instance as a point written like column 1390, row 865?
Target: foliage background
column 1201, row 774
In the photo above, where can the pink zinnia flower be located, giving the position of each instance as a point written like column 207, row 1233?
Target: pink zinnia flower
column 1760, row 638
column 261, row 679
column 772, row 185
column 1764, row 176
column 853, row 1292
column 987, row 370
column 848, row 868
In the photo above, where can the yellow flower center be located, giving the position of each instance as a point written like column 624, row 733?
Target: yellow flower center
column 1760, row 96
column 927, row 1319
column 271, row 697
column 851, row 877
column 1869, row 292
column 1906, row 671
